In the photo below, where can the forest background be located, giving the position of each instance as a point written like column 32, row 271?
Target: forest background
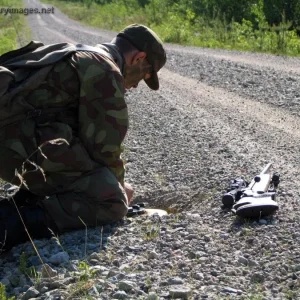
column 271, row 26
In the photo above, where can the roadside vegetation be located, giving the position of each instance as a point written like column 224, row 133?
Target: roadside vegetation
column 13, row 29
column 255, row 25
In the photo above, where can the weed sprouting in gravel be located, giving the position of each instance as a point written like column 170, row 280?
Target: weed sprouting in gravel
column 152, row 232
column 159, row 178
column 290, row 294
column 80, row 289
column 86, row 272
column 30, row 272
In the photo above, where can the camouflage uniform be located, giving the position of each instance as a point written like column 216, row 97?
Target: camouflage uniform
column 62, row 92
column 84, row 178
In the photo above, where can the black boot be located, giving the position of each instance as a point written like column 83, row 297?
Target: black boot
column 22, row 198
column 12, row 231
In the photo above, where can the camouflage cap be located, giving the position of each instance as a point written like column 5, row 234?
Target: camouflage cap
column 146, row 40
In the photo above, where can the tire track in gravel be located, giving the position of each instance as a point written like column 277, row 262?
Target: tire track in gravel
column 264, row 84
column 252, row 130
column 204, row 95
column 278, row 63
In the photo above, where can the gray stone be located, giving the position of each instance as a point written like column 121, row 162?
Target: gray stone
column 120, row 295
column 180, row 292
column 231, row 271
column 192, row 237
column 54, row 284
column 243, row 260
column 116, row 262
column 48, row 272
column 263, row 222
column 297, row 268
column 229, row 290
column 34, row 260
column 17, row 291
column 5, row 281
column 93, row 291
column 126, row 286
column 31, row 293
column 14, row 280
column 207, row 238
column 257, row 277
column 59, row 258
column 121, row 276
column 152, row 255
column 94, row 255
column 98, row 270
column 224, row 236
column 203, row 259
column 44, row 289
column 294, row 276
column 112, row 272
column 252, row 263
column 94, row 262
column 141, row 293
column 252, row 241
column 113, row 279
column 91, row 246
column 177, row 245
column 152, row 296
column 22, row 280
column 163, row 283
column 175, row 280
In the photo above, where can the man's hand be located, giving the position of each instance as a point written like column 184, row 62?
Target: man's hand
column 129, row 191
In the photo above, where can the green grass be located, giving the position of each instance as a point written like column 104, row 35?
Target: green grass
column 3, row 293
column 13, row 27
column 193, row 30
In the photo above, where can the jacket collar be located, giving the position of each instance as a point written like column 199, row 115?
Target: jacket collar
column 115, row 53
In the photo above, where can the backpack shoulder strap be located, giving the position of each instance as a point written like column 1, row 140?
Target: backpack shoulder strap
column 82, row 47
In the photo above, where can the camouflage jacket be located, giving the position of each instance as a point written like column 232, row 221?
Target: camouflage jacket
column 91, row 87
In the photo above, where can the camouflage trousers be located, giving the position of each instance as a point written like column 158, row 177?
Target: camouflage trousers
column 79, row 191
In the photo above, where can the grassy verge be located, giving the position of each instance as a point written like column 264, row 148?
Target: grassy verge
column 13, row 27
column 186, row 28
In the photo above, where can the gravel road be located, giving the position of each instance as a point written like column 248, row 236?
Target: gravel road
column 218, row 115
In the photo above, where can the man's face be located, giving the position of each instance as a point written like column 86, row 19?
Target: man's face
column 135, row 73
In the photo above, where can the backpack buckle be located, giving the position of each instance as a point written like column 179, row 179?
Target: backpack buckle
column 33, row 113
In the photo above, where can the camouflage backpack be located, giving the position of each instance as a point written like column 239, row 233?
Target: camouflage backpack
column 25, row 69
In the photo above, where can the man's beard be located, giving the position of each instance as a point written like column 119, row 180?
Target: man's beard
column 134, row 74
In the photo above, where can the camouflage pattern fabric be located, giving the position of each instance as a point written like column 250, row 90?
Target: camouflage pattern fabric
column 84, row 178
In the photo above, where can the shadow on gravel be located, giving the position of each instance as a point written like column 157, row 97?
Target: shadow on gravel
column 240, row 223
column 171, row 201
column 73, row 245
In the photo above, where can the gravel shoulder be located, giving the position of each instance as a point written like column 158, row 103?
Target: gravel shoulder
column 218, row 115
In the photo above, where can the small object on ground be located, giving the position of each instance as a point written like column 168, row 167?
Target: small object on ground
column 140, row 208
column 254, row 200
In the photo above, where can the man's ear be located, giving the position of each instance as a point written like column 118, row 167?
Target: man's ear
column 138, row 57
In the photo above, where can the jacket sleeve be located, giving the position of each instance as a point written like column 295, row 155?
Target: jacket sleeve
column 103, row 116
